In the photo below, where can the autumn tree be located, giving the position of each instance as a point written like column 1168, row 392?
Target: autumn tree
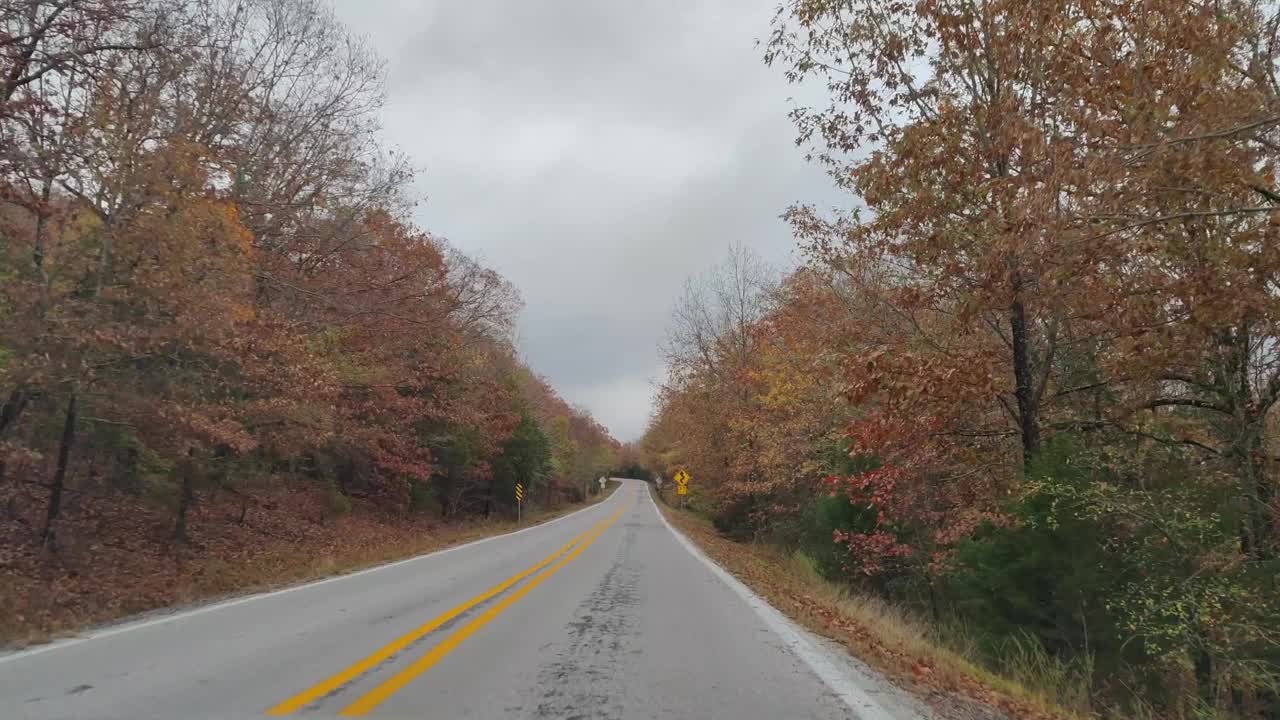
column 710, row 343
column 211, row 280
column 1047, row 331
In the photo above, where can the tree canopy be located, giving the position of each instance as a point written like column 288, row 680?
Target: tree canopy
column 210, row 280
column 1029, row 383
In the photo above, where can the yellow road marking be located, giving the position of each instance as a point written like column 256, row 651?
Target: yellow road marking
column 376, row 696
column 316, row 692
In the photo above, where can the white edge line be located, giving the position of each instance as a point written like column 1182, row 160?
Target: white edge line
column 854, row 696
column 127, row 625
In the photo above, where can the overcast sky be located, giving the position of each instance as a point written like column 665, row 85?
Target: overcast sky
column 596, row 153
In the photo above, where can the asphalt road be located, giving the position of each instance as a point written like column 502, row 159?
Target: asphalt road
column 605, row 613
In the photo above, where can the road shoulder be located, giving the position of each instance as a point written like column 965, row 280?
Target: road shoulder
column 899, row 674
column 19, row 640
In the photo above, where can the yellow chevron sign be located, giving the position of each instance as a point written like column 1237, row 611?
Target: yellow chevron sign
column 519, row 492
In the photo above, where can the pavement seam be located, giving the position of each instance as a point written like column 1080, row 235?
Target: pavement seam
column 390, row 686
column 393, row 649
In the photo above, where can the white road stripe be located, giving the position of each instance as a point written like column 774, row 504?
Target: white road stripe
column 845, row 687
column 129, row 626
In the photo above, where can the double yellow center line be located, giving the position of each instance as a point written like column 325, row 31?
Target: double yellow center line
column 388, row 687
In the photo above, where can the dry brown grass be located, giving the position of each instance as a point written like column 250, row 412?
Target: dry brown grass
column 885, row 637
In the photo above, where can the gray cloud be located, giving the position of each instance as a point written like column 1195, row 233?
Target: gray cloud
column 596, row 153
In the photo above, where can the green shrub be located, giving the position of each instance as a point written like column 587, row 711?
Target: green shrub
column 734, row 519
column 422, row 498
column 335, row 502
column 812, row 528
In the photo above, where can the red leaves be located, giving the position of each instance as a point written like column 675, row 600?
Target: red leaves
column 869, row 553
column 877, row 490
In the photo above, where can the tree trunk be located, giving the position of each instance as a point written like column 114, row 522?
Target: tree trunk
column 1022, row 375
column 60, row 475
column 1264, row 517
column 1258, row 537
column 1246, row 450
column 933, row 601
column 103, row 276
column 186, row 498
column 37, row 251
column 9, row 414
column 13, row 408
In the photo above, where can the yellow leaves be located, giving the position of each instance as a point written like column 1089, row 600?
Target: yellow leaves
column 241, row 234
column 243, row 312
column 784, row 387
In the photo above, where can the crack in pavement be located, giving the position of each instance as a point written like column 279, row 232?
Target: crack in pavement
column 584, row 680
